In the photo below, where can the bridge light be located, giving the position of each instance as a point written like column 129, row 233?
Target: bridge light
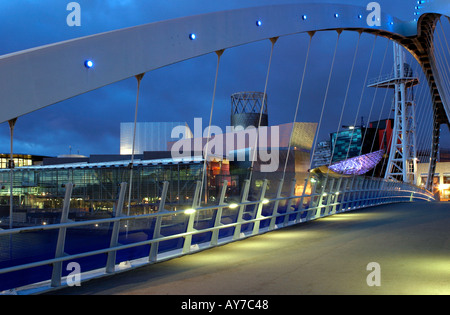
column 88, row 64
column 189, row 211
column 258, row 23
column 265, row 201
column 192, row 36
column 233, row 206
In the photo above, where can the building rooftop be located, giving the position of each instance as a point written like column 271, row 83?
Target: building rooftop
column 185, row 160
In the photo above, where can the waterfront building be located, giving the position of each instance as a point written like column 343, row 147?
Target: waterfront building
column 150, row 136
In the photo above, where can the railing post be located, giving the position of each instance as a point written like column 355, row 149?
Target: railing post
column 330, row 196
column 275, row 206
column 323, row 193
column 191, row 219
column 111, row 260
column 378, row 189
column 311, row 200
column 351, row 195
column 217, row 221
column 341, row 205
column 370, row 192
column 361, row 187
column 300, row 206
column 289, row 203
column 57, row 266
column 336, row 196
column 239, row 220
column 259, row 209
column 153, row 254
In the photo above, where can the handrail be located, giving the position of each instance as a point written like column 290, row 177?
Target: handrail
column 344, row 195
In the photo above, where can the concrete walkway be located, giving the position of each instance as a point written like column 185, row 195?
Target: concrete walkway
column 410, row 242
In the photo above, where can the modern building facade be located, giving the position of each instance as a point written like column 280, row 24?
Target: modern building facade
column 441, row 179
column 357, row 148
column 322, row 154
column 266, row 152
column 151, row 136
column 41, row 189
column 352, row 142
column 20, row 160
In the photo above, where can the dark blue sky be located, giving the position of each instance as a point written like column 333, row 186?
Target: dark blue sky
column 89, row 123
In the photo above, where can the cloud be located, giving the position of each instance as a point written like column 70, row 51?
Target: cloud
column 90, row 122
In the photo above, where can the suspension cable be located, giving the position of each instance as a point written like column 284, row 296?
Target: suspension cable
column 311, row 34
column 273, row 41
column 139, row 78
column 384, row 100
column 345, row 98
column 371, row 107
column 360, row 100
column 205, row 154
column 324, row 101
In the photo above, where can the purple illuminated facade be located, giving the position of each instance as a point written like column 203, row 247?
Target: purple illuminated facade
column 358, row 165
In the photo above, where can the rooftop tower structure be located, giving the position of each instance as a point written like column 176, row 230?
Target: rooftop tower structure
column 402, row 163
column 249, row 109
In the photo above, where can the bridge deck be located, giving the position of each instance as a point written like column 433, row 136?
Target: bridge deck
column 410, row 241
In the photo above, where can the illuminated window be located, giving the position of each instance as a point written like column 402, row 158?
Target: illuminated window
column 446, row 179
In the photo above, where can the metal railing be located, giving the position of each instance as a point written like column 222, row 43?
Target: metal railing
column 211, row 225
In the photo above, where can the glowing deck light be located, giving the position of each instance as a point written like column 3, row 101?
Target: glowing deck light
column 265, row 201
column 192, row 36
column 189, row 211
column 258, row 23
column 233, row 206
column 88, row 64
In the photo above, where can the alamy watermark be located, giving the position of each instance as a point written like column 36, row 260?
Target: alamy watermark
column 374, row 277
column 236, row 144
column 74, row 277
column 74, row 17
column 374, row 17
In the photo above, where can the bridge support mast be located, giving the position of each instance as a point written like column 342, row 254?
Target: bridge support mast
column 402, row 163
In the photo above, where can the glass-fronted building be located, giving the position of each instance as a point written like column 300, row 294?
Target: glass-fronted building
column 20, row 160
column 150, row 136
column 96, row 185
column 39, row 191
